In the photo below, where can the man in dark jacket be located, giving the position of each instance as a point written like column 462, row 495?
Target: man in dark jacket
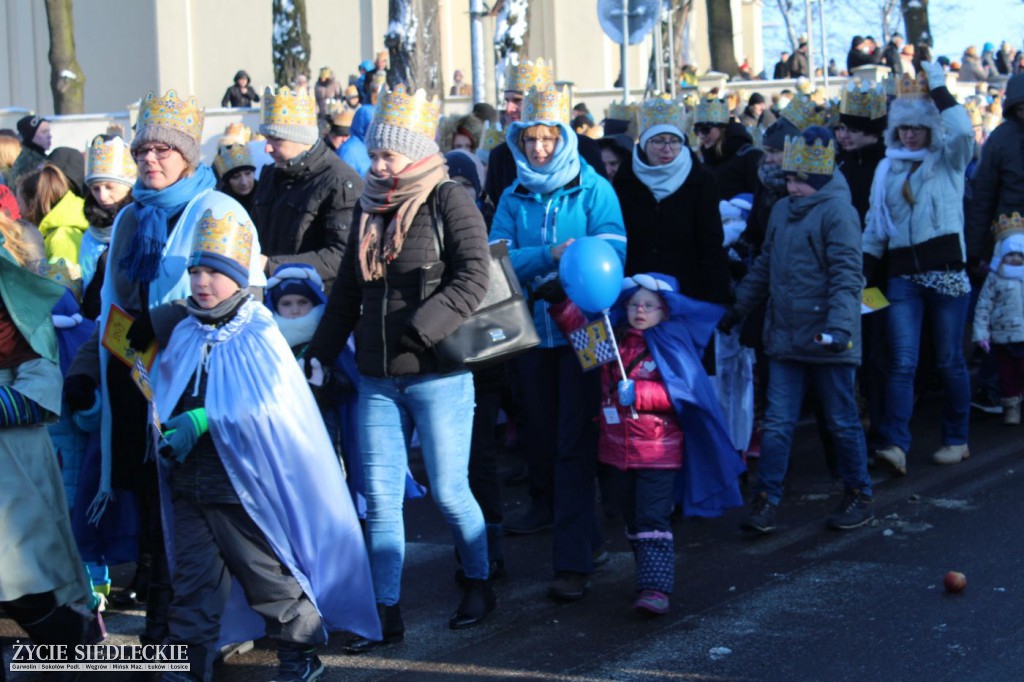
column 859, row 54
column 891, row 54
column 241, row 94
column 304, row 201
column 798, row 65
column 781, row 67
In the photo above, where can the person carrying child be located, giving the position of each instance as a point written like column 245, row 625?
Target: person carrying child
column 809, row 270
column 255, row 505
column 661, row 338
column 999, row 315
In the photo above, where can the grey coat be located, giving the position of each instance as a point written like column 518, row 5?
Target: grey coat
column 810, row 272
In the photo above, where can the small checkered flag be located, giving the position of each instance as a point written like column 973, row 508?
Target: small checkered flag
column 594, row 344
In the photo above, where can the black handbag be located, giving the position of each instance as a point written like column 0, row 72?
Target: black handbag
column 502, row 325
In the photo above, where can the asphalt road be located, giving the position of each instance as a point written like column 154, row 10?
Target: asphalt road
column 803, row 603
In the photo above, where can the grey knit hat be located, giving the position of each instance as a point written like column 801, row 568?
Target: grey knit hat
column 402, row 140
column 303, row 134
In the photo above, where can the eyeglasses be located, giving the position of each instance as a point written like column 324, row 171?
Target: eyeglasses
column 162, row 151
column 662, row 142
column 911, row 129
column 649, row 307
column 539, row 141
column 702, row 129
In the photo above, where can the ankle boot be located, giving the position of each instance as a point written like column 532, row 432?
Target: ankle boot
column 477, row 601
column 392, row 630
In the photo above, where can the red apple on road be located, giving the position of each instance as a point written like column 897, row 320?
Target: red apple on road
column 955, row 581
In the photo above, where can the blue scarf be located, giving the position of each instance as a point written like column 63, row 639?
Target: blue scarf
column 153, row 208
column 556, row 173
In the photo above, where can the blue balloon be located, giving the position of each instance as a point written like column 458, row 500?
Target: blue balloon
column 591, row 274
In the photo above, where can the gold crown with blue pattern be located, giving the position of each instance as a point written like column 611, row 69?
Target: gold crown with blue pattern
column 1005, row 225
column 712, row 111
column 110, row 160
column 185, row 116
column 413, row 111
column 866, row 100
column 803, row 113
column 492, row 137
column 661, row 110
column 522, row 77
column 64, row 273
column 288, row 107
column 905, row 86
column 224, row 244
column 547, row 104
column 232, row 157
column 808, row 159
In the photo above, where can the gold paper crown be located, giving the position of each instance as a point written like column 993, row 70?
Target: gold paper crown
column 619, row 111
column 340, row 113
column 225, row 237
column 714, row 111
column 691, row 98
column 975, row 110
column 66, row 274
column 523, row 77
column 236, row 133
column 289, row 107
column 803, row 113
column 907, row 86
column 110, row 160
column 816, row 159
column 662, row 110
column 170, row 112
column 492, row 137
column 547, row 104
column 231, row 157
column 865, row 100
column 412, row 112
column 1005, row 225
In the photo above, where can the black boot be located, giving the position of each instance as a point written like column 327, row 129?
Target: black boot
column 137, row 589
column 391, row 627
column 477, row 601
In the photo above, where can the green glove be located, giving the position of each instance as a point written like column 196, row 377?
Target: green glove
column 181, row 433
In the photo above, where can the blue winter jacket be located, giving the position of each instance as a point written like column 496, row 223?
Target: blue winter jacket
column 533, row 223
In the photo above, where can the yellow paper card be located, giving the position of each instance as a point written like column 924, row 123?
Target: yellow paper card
column 872, row 300
column 115, row 339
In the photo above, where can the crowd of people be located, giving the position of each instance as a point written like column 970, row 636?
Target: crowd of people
column 234, row 360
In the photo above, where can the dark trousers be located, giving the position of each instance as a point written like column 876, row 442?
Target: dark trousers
column 489, row 385
column 214, row 543
column 1011, row 370
column 560, row 405
column 645, row 497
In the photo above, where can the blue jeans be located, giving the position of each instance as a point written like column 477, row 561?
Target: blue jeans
column 440, row 407
column 908, row 302
column 834, row 387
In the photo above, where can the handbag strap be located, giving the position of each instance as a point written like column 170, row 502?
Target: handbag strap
column 438, row 231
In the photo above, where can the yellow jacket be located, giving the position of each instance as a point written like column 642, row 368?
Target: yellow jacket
column 63, row 228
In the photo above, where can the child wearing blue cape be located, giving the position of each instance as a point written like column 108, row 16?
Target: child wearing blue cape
column 673, row 410
column 262, row 536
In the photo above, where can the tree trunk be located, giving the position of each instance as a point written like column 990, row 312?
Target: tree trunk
column 67, row 82
column 291, row 41
column 723, row 54
column 915, row 20
column 413, row 46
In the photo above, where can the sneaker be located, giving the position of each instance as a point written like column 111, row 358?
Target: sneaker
column 651, row 603
column 529, row 522
column 760, row 515
column 951, row 454
column 569, row 586
column 854, row 511
column 893, row 457
column 298, row 665
column 985, row 403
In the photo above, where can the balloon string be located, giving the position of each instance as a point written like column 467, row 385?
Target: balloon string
column 618, row 357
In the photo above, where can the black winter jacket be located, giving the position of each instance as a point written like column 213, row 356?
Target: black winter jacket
column 680, row 235
column 235, row 97
column 858, row 168
column 998, row 186
column 735, row 170
column 303, row 213
column 384, row 311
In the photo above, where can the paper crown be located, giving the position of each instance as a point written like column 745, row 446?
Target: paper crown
column 714, row 111
column 225, row 238
column 816, row 159
column 975, row 110
column 111, row 160
column 866, row 100
column 236, row 133
column 492, row 137
column 522, row 77
column 67, row 274
column 547, row 104
column 288, row 107
column 661, row 110
column 340, row 113
column 619, row 111
column 1005, row 225
column 168, row 111
column 907, row 86
column 803, row 113
column 412, row 112
column 231, row 157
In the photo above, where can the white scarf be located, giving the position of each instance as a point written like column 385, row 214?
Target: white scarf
column 1011, row 244
column 299, row 330
column 879, row 220
column 663, row 181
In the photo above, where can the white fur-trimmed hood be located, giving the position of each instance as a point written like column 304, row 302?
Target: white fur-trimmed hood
column 922, row 112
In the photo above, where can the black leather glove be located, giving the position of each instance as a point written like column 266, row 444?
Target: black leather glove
column 79, row 392
column 729, row 320
column 141, row 334
column 551, row 291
